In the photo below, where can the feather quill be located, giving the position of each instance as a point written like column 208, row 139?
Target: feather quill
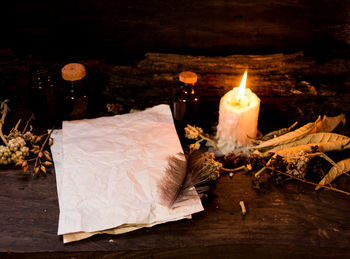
column 182, row 174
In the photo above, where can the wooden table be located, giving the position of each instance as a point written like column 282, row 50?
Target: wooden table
column 288, row 221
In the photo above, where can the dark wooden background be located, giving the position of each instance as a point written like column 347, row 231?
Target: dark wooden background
column 125, row 30
column 111, row 38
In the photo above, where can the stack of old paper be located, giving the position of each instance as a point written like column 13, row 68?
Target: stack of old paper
column 109, row 170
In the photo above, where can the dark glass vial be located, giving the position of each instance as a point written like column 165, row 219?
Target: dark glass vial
column 75, row 98
column 186, row 100
column 43, row 97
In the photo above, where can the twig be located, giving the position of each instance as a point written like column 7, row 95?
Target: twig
column 305, row 181
column 260, row 171
column 27, row 123
column 17, row 125
column 210, row 140
column 295, row 123
column 42, row 147
column 243, row 209
column 243, row 167
column 4, row 109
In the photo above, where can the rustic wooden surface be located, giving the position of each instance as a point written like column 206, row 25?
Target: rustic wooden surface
column 287, row 221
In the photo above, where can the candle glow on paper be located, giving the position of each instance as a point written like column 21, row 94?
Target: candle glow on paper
column 238, row 118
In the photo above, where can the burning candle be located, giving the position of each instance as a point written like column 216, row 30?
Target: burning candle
column 238, row 118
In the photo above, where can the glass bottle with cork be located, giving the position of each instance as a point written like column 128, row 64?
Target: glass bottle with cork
column 186, row 100
column 75, row 103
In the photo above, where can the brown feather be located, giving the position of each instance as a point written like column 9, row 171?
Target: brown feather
column 182, row 174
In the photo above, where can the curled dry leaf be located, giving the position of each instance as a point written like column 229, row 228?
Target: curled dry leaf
column 336, row 171
column 309, row 148
column 288, row 137
column 314, row 138
column 278, row 133
column 328, row 124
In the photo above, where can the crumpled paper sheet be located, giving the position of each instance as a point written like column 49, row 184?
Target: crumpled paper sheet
column 108, row 173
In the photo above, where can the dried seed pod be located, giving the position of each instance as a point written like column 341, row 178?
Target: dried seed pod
column 19, row 162
column 36, row 170
column 47, row 155
column 50, row 142
column 25, row 164
column 25, row 168
column 40, row 154
column 37, row 139
column 47, row 163
column 43, row 169
column 36, row 147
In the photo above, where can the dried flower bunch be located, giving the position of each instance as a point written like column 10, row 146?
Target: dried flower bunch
column 23, row 147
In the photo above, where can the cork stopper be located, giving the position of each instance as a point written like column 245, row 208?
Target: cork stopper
column 73, row 72
column 188, row 77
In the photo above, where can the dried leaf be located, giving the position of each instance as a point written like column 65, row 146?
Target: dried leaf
column 278, row 133
column 336, row 171
column 288, row 137
column 313, row 138
column 327, row 124
column 309, row 148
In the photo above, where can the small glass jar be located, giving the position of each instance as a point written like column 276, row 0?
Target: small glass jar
column 43, row 97
column 75, row 97
column 186, row 100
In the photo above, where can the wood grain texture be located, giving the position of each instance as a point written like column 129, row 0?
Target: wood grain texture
column 131, row 28
column 288, row 220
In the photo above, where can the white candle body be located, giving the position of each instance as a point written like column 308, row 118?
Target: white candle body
column 237, row 122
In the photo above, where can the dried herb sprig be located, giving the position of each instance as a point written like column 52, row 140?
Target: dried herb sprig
column 20, row 144
column 309, row 182
column 193, row 132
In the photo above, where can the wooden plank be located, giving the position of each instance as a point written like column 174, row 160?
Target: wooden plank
column 292, row 215
column 131, row 28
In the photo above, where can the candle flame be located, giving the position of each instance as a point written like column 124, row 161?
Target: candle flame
column 241, row 89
